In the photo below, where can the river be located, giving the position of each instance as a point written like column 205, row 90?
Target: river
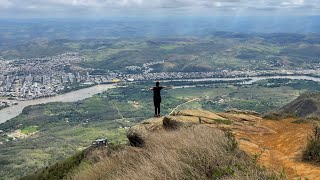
column 11, row 112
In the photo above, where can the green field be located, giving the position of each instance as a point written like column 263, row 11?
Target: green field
column 29, row 129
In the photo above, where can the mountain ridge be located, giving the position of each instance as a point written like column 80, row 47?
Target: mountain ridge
column 306, row 106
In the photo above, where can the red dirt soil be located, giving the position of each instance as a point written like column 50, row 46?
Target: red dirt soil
column 282, row 148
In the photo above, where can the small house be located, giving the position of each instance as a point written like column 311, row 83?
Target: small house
column 100, row 143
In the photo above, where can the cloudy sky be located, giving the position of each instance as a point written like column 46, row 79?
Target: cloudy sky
column 102, row 8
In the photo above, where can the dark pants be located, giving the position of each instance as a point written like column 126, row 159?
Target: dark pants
column 157, row 102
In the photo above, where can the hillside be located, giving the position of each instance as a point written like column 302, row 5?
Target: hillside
column 306, row 105
column 213, row 52
column 196, row 144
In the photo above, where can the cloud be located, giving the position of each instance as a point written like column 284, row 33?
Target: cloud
column 40, row 8
column 5, row 4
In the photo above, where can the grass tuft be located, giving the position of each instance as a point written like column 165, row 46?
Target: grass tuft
column 223, row 121
column 312, row 152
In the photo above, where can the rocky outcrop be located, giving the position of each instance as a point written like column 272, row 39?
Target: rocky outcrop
column 241, row 117
column 199, row 113
column 175, row 122
column 237, row 111
column 237, row 122
column 138, row 133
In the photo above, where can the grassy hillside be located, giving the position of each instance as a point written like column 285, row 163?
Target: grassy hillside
column 194, row 153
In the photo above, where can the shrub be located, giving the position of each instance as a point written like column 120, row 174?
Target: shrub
column 223, row 121
column 232, row 143
column 312, row 152
column 272, row 116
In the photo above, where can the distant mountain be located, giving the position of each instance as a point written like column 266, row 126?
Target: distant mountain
column 305, row 106
column 153, row 27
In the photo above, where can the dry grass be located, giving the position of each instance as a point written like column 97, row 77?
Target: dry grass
column 199, row 152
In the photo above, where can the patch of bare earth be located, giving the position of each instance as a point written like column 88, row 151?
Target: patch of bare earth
column 17, row 134
column 280, row 148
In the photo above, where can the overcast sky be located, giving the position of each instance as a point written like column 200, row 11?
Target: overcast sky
column 103, row 8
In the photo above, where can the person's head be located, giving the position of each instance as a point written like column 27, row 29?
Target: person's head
column 157, row 84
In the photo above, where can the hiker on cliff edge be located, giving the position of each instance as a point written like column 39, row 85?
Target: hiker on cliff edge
column 157, row 98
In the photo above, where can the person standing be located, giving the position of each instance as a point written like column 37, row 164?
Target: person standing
column 157, row 98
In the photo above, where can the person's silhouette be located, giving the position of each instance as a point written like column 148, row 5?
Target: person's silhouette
column 157, row 98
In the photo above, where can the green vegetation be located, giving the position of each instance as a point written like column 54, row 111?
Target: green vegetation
column 23, row 156
column 168, row 47
column 60, row 169
column 80, row 160
column 201, row 54
column 221, row 172
column 295, row 84
column 29, row 130
column 301, row 121
column 224, row 97
column 312, row 152
column 223, row 121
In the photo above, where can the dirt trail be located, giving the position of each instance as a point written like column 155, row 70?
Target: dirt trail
column 194, row 99
column 281, row 149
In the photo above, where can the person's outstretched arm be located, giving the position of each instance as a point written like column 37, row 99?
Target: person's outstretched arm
column 150, row 88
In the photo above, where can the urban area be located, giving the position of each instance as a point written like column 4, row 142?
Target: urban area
column 25, row 79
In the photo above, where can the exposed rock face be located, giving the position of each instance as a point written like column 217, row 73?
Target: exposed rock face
column 135, row 136
column 236, row 111
column 199, row 113
column 175, row 122
column 240, row 117
column 138, row 133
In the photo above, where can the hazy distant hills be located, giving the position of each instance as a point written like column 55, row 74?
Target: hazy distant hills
column 153, row 27
column 221, row 50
